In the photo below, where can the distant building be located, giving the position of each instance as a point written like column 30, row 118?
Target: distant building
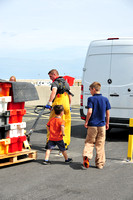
column 45, row 82
column 37, row 82
column 77, row 82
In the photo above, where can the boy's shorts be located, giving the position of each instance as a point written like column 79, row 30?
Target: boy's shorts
column 60, row 144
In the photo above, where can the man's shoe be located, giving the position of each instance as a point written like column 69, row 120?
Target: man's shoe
column 69, row 160
column 46, row 162
column 86, row 162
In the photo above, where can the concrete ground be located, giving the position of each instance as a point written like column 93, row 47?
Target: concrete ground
column 35, row 181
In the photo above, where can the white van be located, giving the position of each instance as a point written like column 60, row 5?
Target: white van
column 110, row 62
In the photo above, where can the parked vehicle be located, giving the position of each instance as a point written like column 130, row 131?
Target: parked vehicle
column 110, row 62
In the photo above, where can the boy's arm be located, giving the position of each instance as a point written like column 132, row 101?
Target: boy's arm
column 62, row 130
column 107, row 119
column 88, row 117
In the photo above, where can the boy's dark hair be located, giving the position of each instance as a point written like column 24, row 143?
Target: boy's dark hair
column 58, row 109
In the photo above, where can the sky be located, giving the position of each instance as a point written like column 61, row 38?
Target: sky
column 39, row 35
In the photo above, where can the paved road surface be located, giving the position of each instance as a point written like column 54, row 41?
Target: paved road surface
column 60, row 181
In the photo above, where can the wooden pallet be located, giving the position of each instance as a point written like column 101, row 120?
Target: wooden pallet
column 17, row 157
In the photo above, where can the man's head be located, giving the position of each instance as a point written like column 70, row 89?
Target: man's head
column 59, row 110
column 95, row 88
column 53, row 74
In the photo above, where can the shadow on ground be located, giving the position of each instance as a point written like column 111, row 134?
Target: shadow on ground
column 116, row 134
column 79, row 131
column 73, row 165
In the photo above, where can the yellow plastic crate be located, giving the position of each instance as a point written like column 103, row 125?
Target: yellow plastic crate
column 4, row 146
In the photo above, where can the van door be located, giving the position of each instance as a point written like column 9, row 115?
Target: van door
column 97, row 68
column 121, row 88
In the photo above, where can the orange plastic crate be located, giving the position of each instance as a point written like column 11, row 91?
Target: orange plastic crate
column 5, row 89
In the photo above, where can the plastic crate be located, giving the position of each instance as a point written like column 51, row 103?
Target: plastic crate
column 4, row 131
column 4, row 103
column 21, row 125
column 5, row 89
column 21, row 128
column 4, row 146
column 12, row 105
column 13, row 146
column 21, row 139
column 4, row 118
column 16, row 116
column 16, row 144
column 16, row 130
column 13, row 131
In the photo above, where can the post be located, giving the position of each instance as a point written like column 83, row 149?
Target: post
column 130, row 140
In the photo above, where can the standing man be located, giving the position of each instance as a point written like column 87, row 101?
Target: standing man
column 60, row 95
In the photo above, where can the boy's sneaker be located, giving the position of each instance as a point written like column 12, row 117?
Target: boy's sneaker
column 46, row 162
column 60, row 153
column 86, row 162
column 69, row 160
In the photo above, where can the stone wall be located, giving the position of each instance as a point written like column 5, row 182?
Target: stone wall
column 44, row 93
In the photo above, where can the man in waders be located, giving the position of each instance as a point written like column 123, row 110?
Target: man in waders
column 60, row 95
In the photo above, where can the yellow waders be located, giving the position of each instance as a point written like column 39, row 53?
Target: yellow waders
column 63, row 99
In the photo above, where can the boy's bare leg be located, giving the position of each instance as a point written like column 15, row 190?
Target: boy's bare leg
column 47, row 154
column 65, row 155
